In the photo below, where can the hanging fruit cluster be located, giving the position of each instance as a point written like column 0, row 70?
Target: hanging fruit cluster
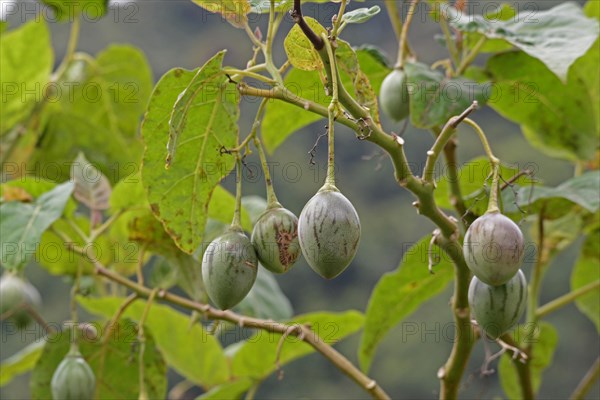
column 327, row 234
column 493, row 248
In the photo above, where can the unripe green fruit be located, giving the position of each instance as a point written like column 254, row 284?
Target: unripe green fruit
column 275, row 239
column 229, row 268
column 73, row 379
column 329, row 232
column 15, row 295
column 498, row 308
column 493, row 248
column 394, row 95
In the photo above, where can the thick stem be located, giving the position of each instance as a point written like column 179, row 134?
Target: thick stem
column 451, row 373
column 305, row 333
column 568, row 298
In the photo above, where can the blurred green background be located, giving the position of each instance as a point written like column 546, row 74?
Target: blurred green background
column 176, row 33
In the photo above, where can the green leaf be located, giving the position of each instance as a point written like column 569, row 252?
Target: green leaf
column 544, row 339
column 435, row 98
column 557, row 37
column 398, row 294
column 266, row 300
column 229, row 390
column 234, row 11
column 472, row 176
column 22, row 224
column 300, row 50
column 587, row 270
column 118, row 376
column 592, row 9
column 92, row 188
column 66, row 135
column 348, row 63
column 373, row 63
column 360, row 15
column 255, row 358
column 21, row 362
column 180, row 196
column 277, row 124
column 558, row 119
column 581, row 190
column 67, row 10
column 26, row 60
column 111, row 91
column 189, row 349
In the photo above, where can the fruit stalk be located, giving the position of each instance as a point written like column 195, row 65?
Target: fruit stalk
column 332, row 110
column 237, row 213
column 403, row 44
column 272, row 201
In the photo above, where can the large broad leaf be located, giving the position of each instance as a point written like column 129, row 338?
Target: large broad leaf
column 111, row 91
column 22, row 224
column 559, row 119
column 544, row 339
column 190, row 350
column 255, row 358
column 265, row 299
column 115, row 366
column 300, row 51
column 581, row 190
column 26, row 60
column 201, row 124
column 435, row 98
column 234, row 11
column 67, row 10
column 398, row 294
column 557, row 37
column 277, row 124
column 66, row 135
column 587, row 270
column 21, row 362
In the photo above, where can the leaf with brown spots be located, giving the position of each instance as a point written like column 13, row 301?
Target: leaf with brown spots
column 197, row 112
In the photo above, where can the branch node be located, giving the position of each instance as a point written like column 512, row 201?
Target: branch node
column 371, row 385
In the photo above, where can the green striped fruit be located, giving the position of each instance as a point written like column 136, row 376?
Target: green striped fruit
column 498, row 308
column 393, row 96
column 16, row 294
column 329, row 232
column 275, row 239
column 73, row 379
column 229, row 268
column 493, row 248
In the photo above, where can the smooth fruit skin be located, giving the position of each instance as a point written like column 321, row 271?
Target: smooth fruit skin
column 73, row 379
column 394, row 95
column 329, row 232
column 493, row 248
column 498, row 308
column 275, row 239
column 15, row 293
column 229, row 268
